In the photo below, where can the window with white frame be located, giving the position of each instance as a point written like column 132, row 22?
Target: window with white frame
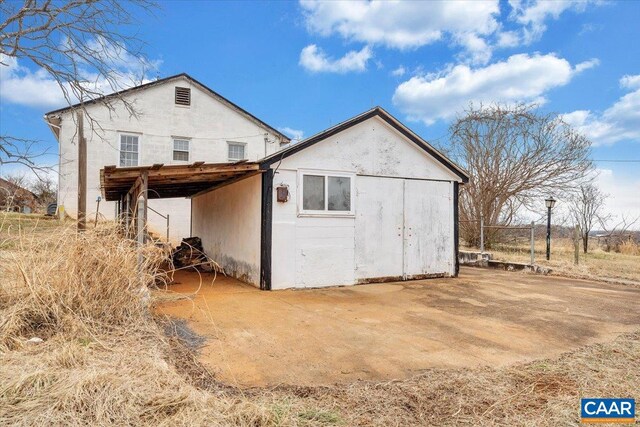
column 129, row 150
column 181, row 150
column 326, row 193
column 236, row 151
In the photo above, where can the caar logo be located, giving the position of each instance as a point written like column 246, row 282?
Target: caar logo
column 608, row 410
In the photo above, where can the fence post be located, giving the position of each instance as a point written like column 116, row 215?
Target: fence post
column 481, row 233
column 167, row 228
column 576, row 244
column 533, row 225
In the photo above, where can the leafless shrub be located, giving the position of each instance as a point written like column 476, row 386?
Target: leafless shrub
column 619, row 233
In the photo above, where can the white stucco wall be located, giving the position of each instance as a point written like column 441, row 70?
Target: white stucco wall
column 228, row 221
column 208, row 123
column 312, row 251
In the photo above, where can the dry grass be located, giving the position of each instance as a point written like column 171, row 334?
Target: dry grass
column 596, row 264
column 106, row 361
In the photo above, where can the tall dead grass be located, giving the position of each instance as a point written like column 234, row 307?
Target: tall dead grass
column 103, row 358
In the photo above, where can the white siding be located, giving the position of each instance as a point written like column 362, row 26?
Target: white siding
column 228, row 222
column 326, row 251
column 208, row 123
column 370, row 148
column 309, row 251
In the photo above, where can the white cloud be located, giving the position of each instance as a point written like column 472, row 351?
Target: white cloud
column 399, row 72
column 21, row 85
column 623, row 195
column 521, row 78
column 619, row 122
column 472, row 25
column 406, row 24
column 508, row 39
column 630, row 82
column 594, row 62
column 316, row 60
column 533, row 14
column 295, row 134
column 477, row 51
column 399, row 24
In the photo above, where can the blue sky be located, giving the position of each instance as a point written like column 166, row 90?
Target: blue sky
column 306, row 66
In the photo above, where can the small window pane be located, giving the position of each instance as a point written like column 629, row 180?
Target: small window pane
column 181, row 144
column 339, row 198
column 313, row 193
column 236, row 152
column 181, row 156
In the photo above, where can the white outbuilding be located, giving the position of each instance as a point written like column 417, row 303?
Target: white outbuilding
column 367, row 200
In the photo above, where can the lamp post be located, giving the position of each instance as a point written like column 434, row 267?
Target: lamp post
column 550, row 202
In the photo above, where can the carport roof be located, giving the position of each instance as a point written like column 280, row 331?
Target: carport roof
column 173, row 180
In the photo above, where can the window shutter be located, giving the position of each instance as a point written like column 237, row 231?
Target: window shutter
column 183, row 96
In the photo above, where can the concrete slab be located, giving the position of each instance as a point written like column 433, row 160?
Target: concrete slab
column 395, row 330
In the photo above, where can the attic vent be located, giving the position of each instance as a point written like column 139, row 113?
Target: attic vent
column 183, row 96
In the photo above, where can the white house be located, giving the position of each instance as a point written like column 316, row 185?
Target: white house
column 366, row 200
column 178, row 121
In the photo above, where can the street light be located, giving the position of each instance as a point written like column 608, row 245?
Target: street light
column 550, row 202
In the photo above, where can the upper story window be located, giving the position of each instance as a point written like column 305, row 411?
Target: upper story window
column 183, row 96
column 237, row 151
column 326, row 193
column 129, row 150
column 181, row 150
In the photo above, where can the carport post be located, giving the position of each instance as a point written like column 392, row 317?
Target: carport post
column 533, row 225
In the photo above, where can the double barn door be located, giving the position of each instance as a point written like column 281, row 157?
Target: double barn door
column 403, row 228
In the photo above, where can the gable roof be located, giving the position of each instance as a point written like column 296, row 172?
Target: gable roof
column 389, row 119
column 166, row 80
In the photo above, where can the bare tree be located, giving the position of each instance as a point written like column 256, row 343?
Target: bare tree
column 81, row 44
column 515, row 155
column 14, row 194
column 586, row 209
column 45, row 190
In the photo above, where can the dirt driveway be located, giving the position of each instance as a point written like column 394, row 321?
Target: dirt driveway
column 394, row 330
